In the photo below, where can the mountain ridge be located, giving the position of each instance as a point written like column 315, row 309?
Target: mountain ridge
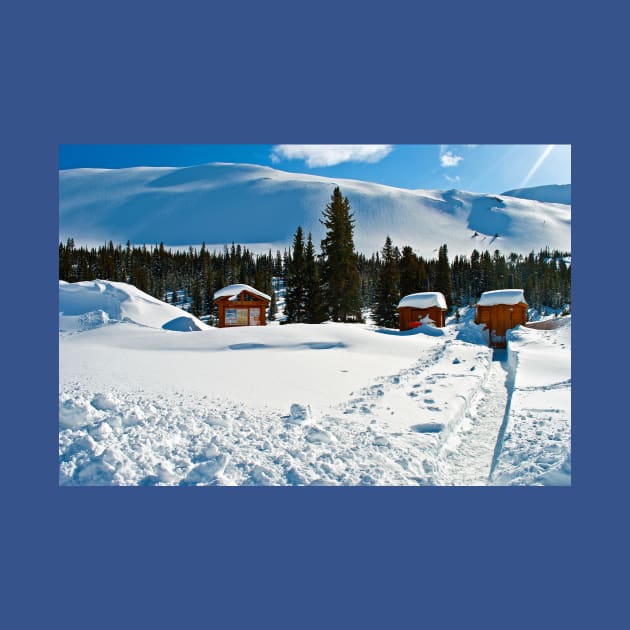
column 259, row 206
column 551, row 193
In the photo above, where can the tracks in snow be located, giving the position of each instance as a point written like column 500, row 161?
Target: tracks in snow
column 467, row 455
column 449, row 407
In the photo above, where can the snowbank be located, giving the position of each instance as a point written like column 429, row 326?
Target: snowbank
column 94, row 303
column 423, row 300
column 536, row 441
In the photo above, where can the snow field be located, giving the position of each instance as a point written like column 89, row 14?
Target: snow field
column 122, row 437
column 333, row 404
column 388, row 432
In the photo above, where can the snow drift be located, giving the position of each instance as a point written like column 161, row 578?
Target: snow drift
column 94, row 303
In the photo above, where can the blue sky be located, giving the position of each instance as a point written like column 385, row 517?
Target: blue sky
column 472, row 167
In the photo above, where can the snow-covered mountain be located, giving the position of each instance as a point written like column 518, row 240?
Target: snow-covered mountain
column 556, row 193
column 261, row 207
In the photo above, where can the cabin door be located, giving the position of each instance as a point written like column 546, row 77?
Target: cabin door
column 496, row 340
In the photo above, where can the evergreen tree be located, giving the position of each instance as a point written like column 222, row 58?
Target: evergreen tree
column 340, row 269
column 273, row 306
column 385, row 311
column 545, row 276
column 487, row 272
column 196, row 306
column 476, row 281
column 443, row 282
column 208, row 292
column 314, row 311
column 294, row 308
column 409, row 272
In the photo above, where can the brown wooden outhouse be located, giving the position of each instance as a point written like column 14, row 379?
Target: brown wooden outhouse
column 415, row 308
column 241, row 305
column 499, row 311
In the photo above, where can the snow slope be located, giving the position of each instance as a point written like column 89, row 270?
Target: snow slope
column 336, row 404
column 555, row 193
column 261, row 207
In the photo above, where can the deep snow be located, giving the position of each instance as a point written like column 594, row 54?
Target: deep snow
column 337, row 404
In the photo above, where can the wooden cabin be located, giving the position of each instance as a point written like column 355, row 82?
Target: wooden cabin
column 416, row 307
column 499, row 311
column 241, row 305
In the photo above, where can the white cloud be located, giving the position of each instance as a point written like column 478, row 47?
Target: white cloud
column 330, row 154
column 448, row 158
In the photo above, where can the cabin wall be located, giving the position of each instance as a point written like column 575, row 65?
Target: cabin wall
column 499, row 318
column 408, row 314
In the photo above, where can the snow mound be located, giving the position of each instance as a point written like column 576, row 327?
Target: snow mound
column 185, row 323
column 95, row 303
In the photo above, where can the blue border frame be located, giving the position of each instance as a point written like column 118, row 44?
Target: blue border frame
column 307, row 557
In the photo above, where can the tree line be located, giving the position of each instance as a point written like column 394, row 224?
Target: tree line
column 339, row 283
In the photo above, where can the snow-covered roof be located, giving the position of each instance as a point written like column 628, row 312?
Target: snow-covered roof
column 502, row 296
column 423, row 300
column 235, row 289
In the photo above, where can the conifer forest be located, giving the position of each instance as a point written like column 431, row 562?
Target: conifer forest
column 326, row 280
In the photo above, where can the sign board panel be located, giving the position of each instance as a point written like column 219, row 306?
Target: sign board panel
column 236, row 316
column 254, row 317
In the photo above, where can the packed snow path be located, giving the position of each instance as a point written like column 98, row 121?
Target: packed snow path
column 467, row 455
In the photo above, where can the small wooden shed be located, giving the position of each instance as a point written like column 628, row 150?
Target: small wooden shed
column 499, row 311
column 413, row 308
column 241, row 305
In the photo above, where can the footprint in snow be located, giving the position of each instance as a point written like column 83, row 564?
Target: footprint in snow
column 428, row 427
